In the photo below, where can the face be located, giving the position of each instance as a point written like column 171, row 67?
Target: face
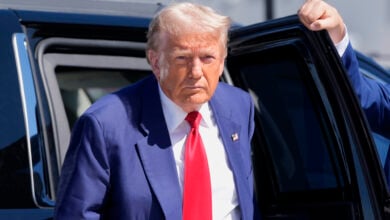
column 188, row 68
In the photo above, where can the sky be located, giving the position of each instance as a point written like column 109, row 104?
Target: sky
column 368, row 21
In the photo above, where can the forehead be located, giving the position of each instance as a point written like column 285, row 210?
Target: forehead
column 192, row 40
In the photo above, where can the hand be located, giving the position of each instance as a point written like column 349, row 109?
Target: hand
column 318, row 15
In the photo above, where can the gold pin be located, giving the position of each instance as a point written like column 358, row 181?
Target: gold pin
column 235, row 137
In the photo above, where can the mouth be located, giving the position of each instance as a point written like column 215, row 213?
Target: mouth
column 193, row 86
column 193, row 90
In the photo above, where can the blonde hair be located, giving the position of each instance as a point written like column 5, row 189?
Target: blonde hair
column 187, row 17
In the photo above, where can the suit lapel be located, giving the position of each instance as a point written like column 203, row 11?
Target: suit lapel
column 156, row 154
column 229, row 130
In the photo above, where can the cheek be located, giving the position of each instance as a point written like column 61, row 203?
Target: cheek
column 171, row 80
column 212, row 85
column 212, row 75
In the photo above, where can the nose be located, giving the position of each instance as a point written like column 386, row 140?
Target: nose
column 196, row 68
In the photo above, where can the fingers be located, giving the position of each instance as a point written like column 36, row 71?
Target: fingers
column 312, row 13
column 318, row 15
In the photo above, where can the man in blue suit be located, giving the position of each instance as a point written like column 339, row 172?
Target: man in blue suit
column 126, row 155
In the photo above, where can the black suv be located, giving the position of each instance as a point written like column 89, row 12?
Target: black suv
column 314, row 155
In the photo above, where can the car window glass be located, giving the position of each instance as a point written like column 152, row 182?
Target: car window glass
column 307, row 148
column 80, row 71
column 296, row 137
column 293, row 123
column 80, row 86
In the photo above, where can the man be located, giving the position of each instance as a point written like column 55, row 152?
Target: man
column 127, row 158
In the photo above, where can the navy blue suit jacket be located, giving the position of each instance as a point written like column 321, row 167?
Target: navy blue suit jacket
column 120, row 164
column 374, row 96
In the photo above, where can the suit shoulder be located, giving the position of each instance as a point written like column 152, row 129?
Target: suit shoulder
column 233, row 98
column 121, row 102
column 232, row 90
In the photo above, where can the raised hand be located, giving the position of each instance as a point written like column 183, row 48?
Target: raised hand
column 318, row 15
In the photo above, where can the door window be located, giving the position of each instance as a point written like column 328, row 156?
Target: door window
column 290, row 112
column 77, row 72
column 297, row 147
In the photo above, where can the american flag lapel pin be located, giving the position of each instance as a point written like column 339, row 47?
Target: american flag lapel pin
column 234, row 137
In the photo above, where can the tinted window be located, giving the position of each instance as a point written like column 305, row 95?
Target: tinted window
column 299, row 157
column 293, row 121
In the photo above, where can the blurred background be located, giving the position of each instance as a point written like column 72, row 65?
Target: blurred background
column 368, row 21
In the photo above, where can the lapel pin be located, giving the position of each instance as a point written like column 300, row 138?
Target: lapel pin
column 234, row 137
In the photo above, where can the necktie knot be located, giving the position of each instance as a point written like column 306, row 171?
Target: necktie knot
column 193, row 118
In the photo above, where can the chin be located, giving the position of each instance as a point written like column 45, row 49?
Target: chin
column 195, row 103
column 199, row 99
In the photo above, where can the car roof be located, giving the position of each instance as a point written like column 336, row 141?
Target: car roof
column 97, row 7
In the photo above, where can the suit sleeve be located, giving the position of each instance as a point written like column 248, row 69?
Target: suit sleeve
column 85, row 173
column 374, row 96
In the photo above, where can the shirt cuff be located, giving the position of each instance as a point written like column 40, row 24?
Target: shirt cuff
column 343, row 44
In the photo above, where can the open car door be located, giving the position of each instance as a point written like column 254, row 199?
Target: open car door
column 313, row 154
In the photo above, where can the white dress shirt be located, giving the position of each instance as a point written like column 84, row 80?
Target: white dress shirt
column 224, row 196
column 343, row 44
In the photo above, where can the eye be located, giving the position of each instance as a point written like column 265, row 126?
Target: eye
column 208, row 59
column 181, row 59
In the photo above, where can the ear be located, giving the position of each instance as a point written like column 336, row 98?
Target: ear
column 153, row 57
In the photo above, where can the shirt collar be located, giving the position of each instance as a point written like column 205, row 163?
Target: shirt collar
column 174, row 115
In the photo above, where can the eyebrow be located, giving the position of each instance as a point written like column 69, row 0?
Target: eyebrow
column 180, row 50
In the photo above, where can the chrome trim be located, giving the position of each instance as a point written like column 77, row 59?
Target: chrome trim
column 28, row 94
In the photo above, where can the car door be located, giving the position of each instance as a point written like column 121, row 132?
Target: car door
column 76, row 59
column 313, row 154
column 56, row 64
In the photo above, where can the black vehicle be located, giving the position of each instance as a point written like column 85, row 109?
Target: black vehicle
column 314, row 155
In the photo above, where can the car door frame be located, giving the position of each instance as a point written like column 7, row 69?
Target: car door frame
column 360, row 156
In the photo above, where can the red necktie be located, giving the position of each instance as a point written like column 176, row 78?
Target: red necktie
column 197, row 186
